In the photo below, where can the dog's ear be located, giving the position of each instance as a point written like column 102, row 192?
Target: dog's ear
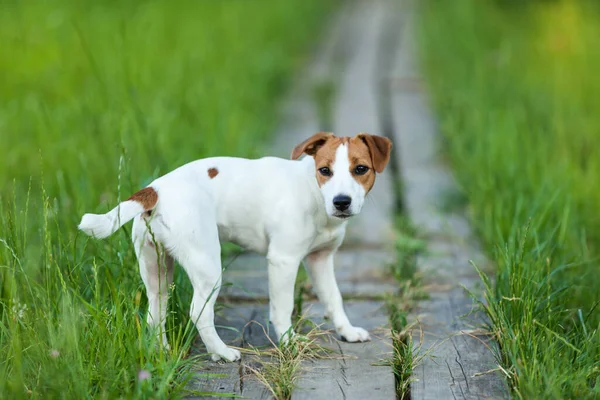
column 311, row 145
column 380, row 148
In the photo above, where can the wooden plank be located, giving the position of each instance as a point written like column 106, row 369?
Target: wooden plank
column 215, row 378
column 364, row 272
column 245, row 277
column 461, row 356
column 457, row 360
column 368, row 314
column 239, row 325
column 353, row 372
column 357, row 111
column 300, row 113
column 347, row 60
column 360, row 273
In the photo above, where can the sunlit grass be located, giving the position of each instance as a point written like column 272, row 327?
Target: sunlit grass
column 99, row 98
column 515, row 86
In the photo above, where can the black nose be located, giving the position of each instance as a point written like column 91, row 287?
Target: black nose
column 342, row 202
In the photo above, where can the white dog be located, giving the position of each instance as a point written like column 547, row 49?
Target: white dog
column 289, row 210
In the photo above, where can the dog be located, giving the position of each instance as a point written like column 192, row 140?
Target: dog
column 289, row 210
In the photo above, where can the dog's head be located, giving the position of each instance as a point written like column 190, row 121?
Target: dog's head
column 345, row 168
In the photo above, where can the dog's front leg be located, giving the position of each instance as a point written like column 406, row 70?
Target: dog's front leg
column 282, row 277
column 320, row 267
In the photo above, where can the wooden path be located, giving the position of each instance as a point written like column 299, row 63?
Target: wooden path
column 367, row 56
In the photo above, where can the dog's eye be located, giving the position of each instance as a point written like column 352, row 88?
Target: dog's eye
column 361, row 169
column 325, row 171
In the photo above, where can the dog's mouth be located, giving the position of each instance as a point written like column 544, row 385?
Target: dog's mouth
column 342, row 215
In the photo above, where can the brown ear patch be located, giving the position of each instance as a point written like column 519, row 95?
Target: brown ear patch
column 311, row 145
column 212, row 172
column 380, row 149
column 359, row 154
column 147, row 197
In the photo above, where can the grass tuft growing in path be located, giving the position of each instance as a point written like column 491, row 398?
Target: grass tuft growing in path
column 406, row 354
column 98, row 99
column 279, row 367
column 515, row 86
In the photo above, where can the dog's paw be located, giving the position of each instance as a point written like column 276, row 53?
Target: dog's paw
column 286, row 335
column 227, row 354
column 354, row 334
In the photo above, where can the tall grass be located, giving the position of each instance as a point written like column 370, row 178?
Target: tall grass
column 516, row 89
column 98, row 99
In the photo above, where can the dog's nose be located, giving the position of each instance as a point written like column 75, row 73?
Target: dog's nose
column 342, row 202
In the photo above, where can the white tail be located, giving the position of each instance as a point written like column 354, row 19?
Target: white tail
column 101, row 226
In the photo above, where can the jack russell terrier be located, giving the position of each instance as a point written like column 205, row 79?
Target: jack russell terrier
column 289, row 210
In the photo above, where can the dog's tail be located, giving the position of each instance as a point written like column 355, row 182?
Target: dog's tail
column 101, row 226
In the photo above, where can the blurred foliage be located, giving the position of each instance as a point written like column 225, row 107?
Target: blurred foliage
column 168, row 82
column 96, row 100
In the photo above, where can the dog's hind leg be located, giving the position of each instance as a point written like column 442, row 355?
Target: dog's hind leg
column 156, row 269
column 197, row 248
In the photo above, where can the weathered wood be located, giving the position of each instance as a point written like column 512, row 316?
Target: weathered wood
column 457, row 363
column 300, row 113
column 355, row 371
column 357, row 111
column 461, row 356
column 351, row 367
column 239, row 325
column 348, row 59
column 359, row 272
column 368, row 314
column 365, row 272
column 215, row 378
column 245, row 277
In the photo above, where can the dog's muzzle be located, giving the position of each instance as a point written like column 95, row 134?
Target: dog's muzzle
column 342, row 202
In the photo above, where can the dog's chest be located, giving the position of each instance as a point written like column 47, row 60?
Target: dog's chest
column 328, row 236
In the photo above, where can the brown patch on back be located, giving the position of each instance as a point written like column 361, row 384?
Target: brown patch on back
column 212, row 172
column 147, row 197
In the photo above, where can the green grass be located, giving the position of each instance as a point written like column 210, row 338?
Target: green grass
column 99, row 98
column 515, row 86
column 279, row 367
column 406, row 354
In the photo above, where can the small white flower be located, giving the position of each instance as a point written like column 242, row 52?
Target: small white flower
column 143, row 375
column 18, row 309
column 54, row 353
